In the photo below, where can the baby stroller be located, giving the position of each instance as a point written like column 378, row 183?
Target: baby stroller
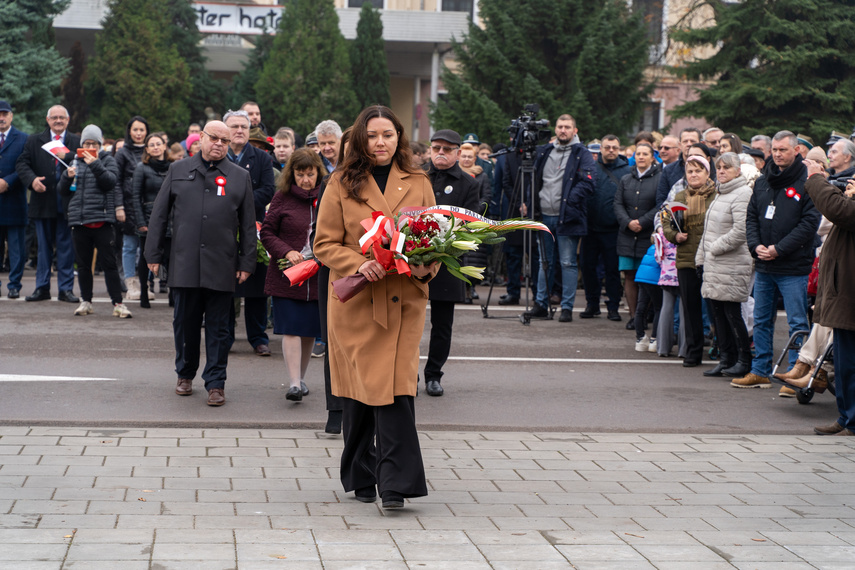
column 804, row 395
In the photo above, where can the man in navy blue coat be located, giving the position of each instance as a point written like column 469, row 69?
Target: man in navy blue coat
column 39, row 171
column 260, row 167
column 565, row 175
column 13, row 198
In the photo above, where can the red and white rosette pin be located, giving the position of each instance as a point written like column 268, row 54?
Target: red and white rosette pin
column 791, row 193
column 221, row 185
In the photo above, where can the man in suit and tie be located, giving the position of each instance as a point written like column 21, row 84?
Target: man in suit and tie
column 13, row 198
column 39, row 171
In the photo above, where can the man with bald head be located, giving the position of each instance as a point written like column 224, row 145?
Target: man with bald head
column 210, row 202
column 39, row 171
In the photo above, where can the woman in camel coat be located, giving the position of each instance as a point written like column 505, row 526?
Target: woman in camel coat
column 374, row 337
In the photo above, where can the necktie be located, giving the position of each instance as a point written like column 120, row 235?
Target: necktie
column 2, row 139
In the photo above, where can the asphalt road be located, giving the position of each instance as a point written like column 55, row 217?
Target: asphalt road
column 549, row 376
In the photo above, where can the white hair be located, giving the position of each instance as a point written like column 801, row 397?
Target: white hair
column 229, row 114
column 328, row 127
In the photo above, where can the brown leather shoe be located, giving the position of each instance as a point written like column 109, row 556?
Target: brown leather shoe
column 845, row 432
column 216, row 397
column 184, row 387
column 797, row 371
column 820, row 383
column 262, row 350
column 832, row 429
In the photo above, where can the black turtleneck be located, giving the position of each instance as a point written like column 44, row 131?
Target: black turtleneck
column 381, row 175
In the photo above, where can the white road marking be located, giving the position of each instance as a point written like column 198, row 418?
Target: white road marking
column 570, row 360
column 34, row 378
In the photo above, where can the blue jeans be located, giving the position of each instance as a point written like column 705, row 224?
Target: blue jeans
column 50, row 231
column 844, row 376
column 130, row 246
column 17, row 255
column 793, row 289
column 567, row 246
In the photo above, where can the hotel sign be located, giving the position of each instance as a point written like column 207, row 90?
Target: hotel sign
column 244, row 19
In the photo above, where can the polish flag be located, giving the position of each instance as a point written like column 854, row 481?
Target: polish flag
column 56, row 148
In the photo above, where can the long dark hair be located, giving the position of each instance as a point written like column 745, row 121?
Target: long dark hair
column 134, row 119
column 358, row 162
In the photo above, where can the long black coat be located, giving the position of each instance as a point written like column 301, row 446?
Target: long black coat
column 636, row 200
column 146, row 186
column 127, row 159
column 35, row 162
column 452, row 187
column 205, row 225
column 260, row 168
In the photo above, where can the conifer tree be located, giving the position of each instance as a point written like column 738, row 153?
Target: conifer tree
column 368, row 60
column 307, row 77
column 568, row 56
column 31, row 68
column 73, row 92
column 780, row 64
column 243, row 88
column 205, row 90
column 136, row 69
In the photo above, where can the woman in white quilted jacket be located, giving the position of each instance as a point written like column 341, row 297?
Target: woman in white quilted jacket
column 728, row 266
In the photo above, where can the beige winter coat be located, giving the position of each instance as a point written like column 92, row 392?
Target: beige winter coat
column 723, row 250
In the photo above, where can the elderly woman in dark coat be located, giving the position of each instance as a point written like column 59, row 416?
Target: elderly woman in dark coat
column 635, row 209
column 285, row 235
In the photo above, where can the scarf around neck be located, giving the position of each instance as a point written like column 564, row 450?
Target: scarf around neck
column 697, row 198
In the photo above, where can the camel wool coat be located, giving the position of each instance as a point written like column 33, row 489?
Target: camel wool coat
column 373, row 339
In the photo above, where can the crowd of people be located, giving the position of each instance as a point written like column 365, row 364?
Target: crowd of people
column 699, row 235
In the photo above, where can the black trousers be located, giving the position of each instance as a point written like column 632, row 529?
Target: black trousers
column 648, row 295
column 255, row 319
column 394, row 463
column 191, row 305
column 86, row 241
column 334, row 403
column 593, row 246
column 441, row 323
column 691, row 309
column 733, row 340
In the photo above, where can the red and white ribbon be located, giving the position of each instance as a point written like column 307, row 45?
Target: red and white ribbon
column 221, row 185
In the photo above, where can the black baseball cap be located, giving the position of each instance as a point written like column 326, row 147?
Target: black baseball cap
column 5, row 106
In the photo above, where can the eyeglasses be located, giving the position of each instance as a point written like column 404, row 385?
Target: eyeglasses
column 663, row 147
column 611, row 148
column 57, row 118
column 216, row 140
column 445, row 149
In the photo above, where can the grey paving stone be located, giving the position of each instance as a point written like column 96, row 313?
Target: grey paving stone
column 129, row 482
column 168, row 472
column 77, row 521
column 387, row 552
column 676, row 524
column 34, row 536
column 217, row 521
column 303, row 496
column 98, row 471
column 193, row 536
column 456, row 523
column 685, row 553
column 307, row 522
column 206, row 483
column 32, row 552
column 611, row 553
column 227, row 496
column 25, row 506
column 198, row 461
column 529, row 565
column 196, row 551
column 590, row 538
column 59, row 481
column 755, row 553
column 193, row 508
column 506, row 552
column 433, row 537
column 119, row 536
column 19, row 521
column 109, row 551
column 18, row 493
column 366, row 565
column 155, row 522
column 528, row 522
column 192, row 565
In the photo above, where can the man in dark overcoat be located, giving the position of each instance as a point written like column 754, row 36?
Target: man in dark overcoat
column 260, row 168
column 13, row 198
column 39, row 171
column 451, row 187
column 211, row 204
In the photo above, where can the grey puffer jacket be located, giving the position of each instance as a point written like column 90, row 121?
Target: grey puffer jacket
column 723, row 250
column 96, row 196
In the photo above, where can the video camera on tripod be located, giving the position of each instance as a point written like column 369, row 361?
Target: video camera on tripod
column 527, row 130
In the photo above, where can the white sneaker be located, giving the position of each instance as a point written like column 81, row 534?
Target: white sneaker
column 643, row 344
column 654, row 346
column 85, row 308
column 121, row 311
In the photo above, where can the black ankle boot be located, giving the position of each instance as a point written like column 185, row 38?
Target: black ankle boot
column 738, row 370
column 333, row 422
column 718, row 370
